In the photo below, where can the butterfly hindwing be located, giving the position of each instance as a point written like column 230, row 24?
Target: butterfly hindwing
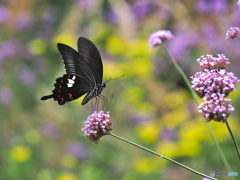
column 67, row 88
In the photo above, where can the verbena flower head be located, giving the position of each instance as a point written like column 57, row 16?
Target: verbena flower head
column 213, row 84
column 159, row 37
column 207, row 82
column 216, row 109
column 233, row 32
column 97, row 125
column 210, row 62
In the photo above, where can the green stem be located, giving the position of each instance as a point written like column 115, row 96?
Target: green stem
column 234, row 139
column 219, row 148
column 183, row 75
column 171, row 160
column 196, row 99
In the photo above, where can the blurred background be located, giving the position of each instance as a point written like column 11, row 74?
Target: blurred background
column 152, row 106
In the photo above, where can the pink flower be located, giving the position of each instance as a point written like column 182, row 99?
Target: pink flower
column 213, row 84
column 159, row 37
column 217, row 109
column 97, row 125
column 233, row 32
column 210, row 62
column 207, row 82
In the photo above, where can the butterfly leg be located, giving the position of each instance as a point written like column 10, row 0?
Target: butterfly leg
column 105, row 101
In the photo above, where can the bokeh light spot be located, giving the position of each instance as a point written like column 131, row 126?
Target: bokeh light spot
column 20, row 153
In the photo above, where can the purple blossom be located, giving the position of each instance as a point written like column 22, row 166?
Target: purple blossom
column 23, row 21
column 6, row 95
column 4, row 14
column 210, row 62
column 213, row 84
column 233, row 32
column 216, row 109
column 168, row 134
column 207, row 82
column 159, row 37
column 77, row 150
column 50, row 129
column 7, row 49
column 181, row 45
column 209, row 31
column 141, row 9
column 27, row 76
column 85, row 4
column 110, row 16
column 238, row 3
column 97, row 125
column 211, row 6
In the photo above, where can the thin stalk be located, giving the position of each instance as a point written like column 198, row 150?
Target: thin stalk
column 182, row 74
column 168, row 159
column 234, row 139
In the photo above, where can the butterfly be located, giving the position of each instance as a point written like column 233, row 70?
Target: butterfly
column 84, row 73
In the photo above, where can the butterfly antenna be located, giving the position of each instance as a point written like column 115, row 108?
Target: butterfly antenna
column 92, row 106
column 114, row 78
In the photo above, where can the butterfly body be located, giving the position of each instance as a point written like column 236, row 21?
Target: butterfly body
column 84, row 73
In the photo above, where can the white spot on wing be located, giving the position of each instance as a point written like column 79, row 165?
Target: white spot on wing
column 70, row 81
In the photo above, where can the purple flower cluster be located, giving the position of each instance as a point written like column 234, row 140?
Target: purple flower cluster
column 159, row 37
column 233, row 32
column 207, row 82
column 213, row 6
column 216, row 109
column 210, row 62
column 213, row 84
column 97, row 125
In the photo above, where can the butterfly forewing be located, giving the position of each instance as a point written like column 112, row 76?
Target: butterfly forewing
column 92, row 57
column 71, row 59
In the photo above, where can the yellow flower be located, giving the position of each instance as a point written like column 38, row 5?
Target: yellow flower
column 20, row 153
column 175, row 118
column 138, row 48
column 115, row 45
column 67, row 177
column 134, row 94
column 140, row 66
column 148, row 132
column 68, row 161
column 112, row 70
column 178, row 97
column 66, row 38
column 37, row 46
column 167, row 148
column 146, row 165
column 188, row 148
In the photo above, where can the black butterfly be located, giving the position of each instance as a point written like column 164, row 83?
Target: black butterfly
column 84, row 73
